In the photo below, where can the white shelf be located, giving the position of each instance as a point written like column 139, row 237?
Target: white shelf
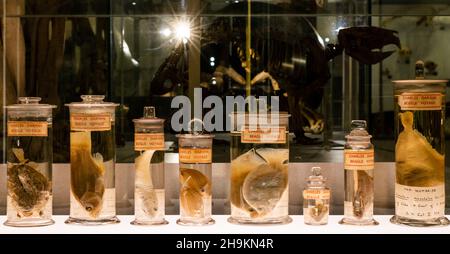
column 223, row 227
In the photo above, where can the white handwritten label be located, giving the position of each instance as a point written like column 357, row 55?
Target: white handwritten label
column 419, row 203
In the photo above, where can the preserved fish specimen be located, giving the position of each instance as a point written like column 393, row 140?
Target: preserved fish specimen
column 87, row 182
column 29, row 167
column 92, row 158
column 359, row 185
column 149, row 191
column 259, row 168
column 420, row 151
column 418, row 164
column 316, row 199
column 195, row 155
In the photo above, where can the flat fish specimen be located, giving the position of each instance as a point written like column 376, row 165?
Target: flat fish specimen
column 87, row 173
column 318, row 211
column 364, row 194
column 28, row 188
column 240, row 168
column 195, row 187
column 264, row 186
column 417, row 163
column 144, row 183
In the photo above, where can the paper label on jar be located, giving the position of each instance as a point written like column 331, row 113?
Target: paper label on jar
column 269, row 135
column 316, row 194
column 195, row 155
column 148, row 141
column 27, row 128
column 419, row 203
column 90, row 122
column 420, row 101
column 358, row 160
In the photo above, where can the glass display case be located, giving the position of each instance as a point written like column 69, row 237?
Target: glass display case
column 326, row 60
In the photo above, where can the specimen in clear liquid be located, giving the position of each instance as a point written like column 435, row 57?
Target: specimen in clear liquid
column 319, row 211
column 363, row 197
column 28, row 188
column 418, row 164
column 87, row 173
column 259, row 179
column 144, row 183
column 195, row 187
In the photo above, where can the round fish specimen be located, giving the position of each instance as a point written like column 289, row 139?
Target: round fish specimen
column 87, row 173
column 264, row 186
column 144, row 183
column 195, row 187
column 240, row 168
column 28, row 188
column 417, row 163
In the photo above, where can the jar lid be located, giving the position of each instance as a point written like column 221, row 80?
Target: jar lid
column 316, row 178
column 419, row 81
column 196, row 130
column 91, row 101
column 359, row 131
column 29, row 103
column 149, row 117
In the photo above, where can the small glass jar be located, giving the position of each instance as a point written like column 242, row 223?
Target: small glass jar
column 359, row 183
column 149, row 194
column 316, row 199
column 29, row 163
column 420, row 151
column 195, row 157
column 92, row 161
column 259, row 188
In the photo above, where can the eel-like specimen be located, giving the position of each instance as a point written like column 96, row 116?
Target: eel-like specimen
column 28, row 188
column 144, row 184
column 418, row 164
column 195, row 187
column 87, row 173
column 364, row 194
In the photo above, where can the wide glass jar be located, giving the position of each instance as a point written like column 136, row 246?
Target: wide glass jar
column 29, row 163
column 149, row 194
column 259, row 168
column 92, row 159
column 420, row 152
column 195, row 158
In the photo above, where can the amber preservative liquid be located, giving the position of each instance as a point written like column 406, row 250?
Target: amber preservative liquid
column 316, row 199
column 195, row 162
column 359, row 178
column 149, row 194
column 420, row 152
column 259, row 168
column 29, row 163
column 92, row 159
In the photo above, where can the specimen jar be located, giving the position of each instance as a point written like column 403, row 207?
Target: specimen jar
column 259, row 168
column 149, row 191
column 92, row 159
column 358, row 175
column 420, row 152
column 316, row 199
column 29, row 163
column 195, row 157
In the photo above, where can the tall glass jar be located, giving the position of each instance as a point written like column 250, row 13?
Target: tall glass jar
column 259, row 168
column 420, row 152
column 29, row 163
column 149, row 195
column 359, row 183
column 92, row 159
column 195, row 157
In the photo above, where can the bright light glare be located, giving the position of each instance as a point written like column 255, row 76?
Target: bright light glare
column 166, row 32
column 183, row 31
column 327, row 39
